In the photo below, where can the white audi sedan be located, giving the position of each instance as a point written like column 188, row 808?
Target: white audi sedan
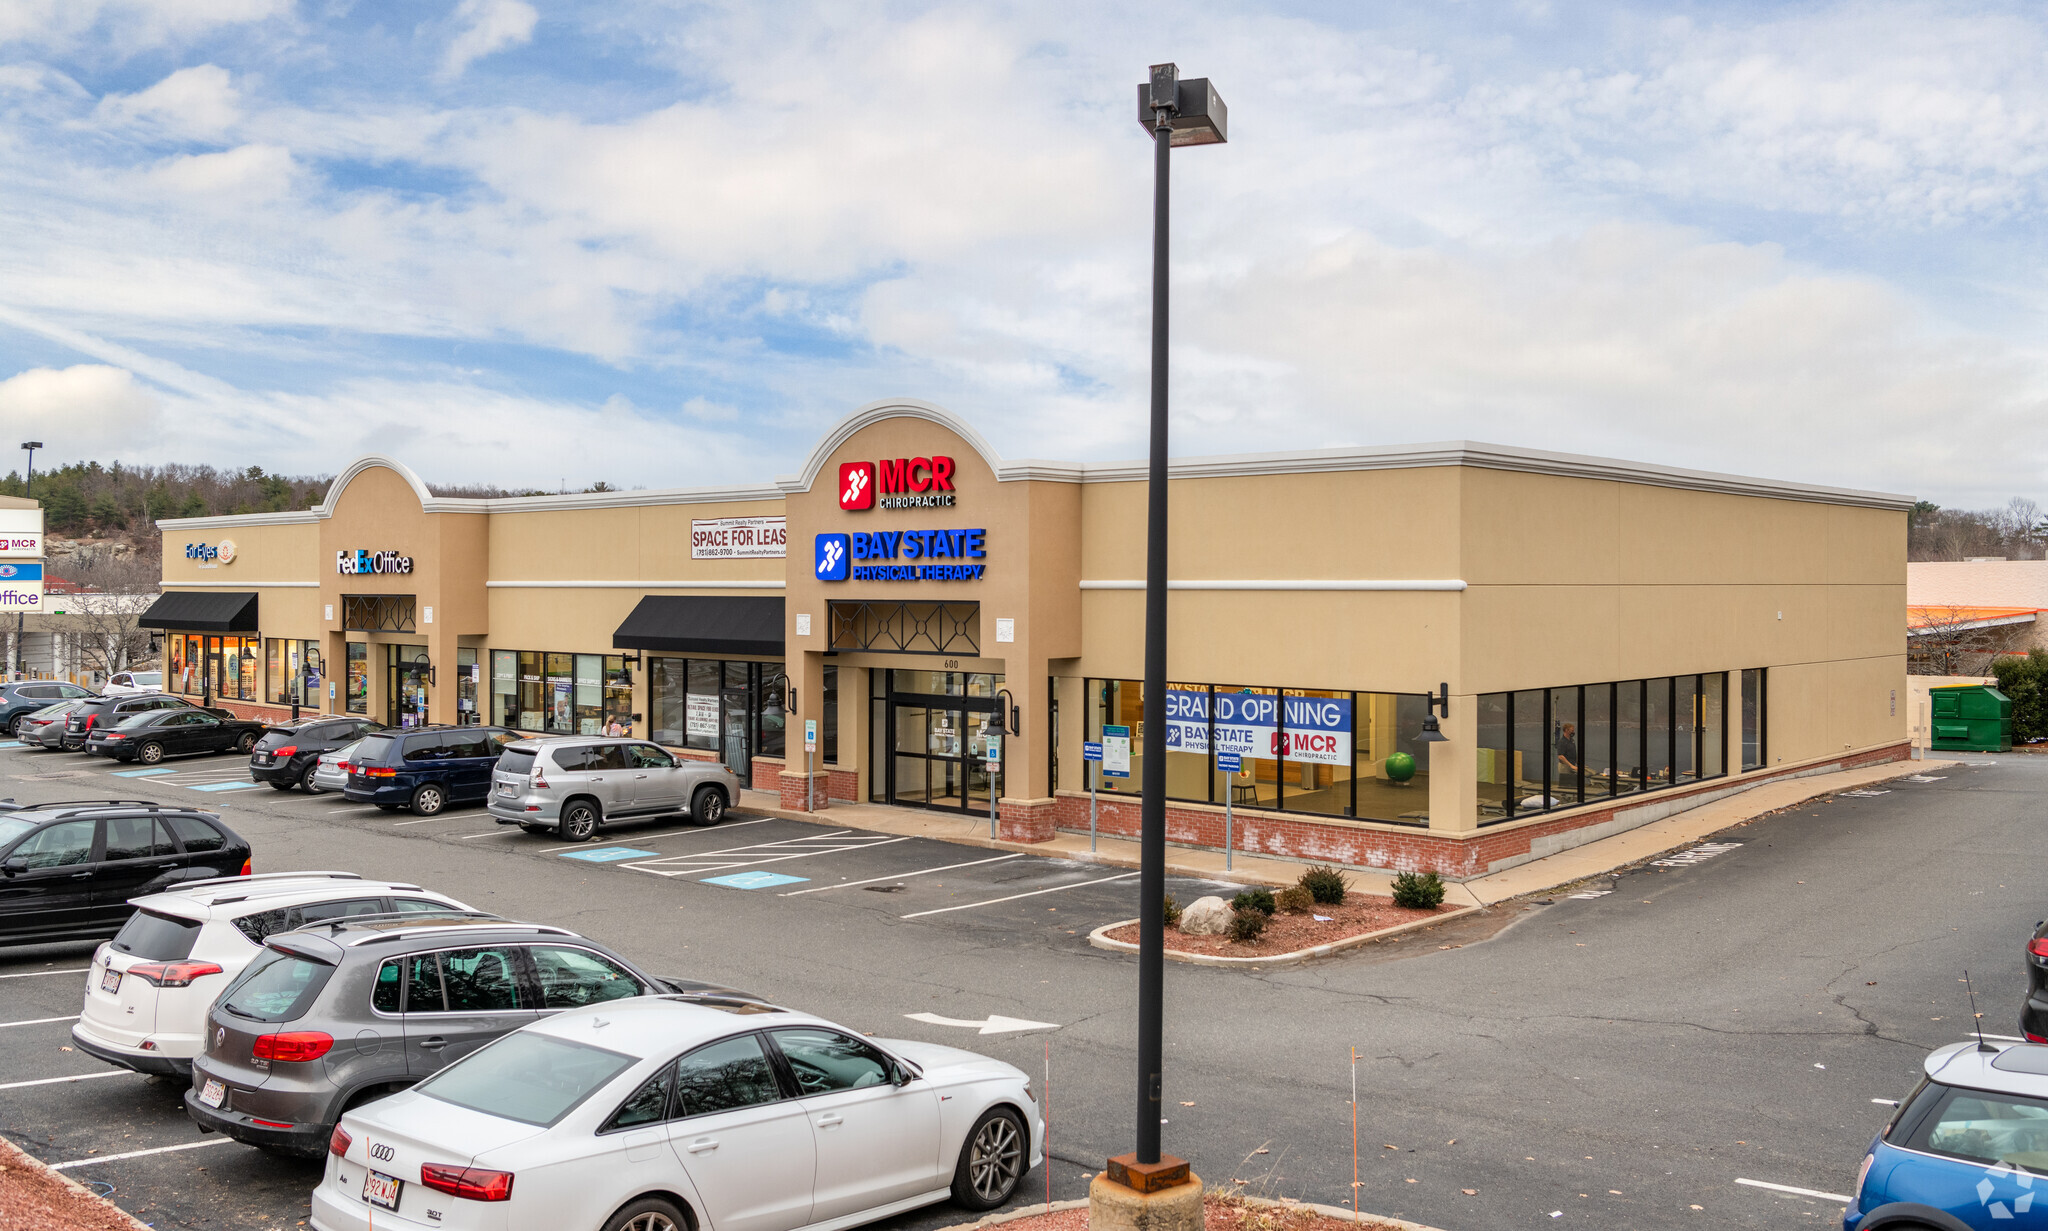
column 618, row 1117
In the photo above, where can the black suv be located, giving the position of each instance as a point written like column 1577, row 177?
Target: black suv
column 112, row 712
column 67, row 870
column 427, row 768
column 289, row 752
column 18, row 701
column 350, row 1010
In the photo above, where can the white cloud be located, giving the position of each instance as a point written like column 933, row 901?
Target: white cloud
column 127, row 26
column 492, row 26
column 90, row 410
column 199, row 102
column 245, row 175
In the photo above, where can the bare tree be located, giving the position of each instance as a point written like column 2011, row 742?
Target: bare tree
column 1954, row 640
column 119, row 586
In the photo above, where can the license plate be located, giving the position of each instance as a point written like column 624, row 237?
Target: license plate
column 504, row 788
column 214, row 1092
column 110, row 980
column 263, row 758
column 382, row 1190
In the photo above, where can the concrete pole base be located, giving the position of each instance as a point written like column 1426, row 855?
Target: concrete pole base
column 1112, row 1207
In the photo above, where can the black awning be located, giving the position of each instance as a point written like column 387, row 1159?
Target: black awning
column 696, row 624
column 203, row 611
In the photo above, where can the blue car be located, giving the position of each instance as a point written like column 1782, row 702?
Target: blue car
column 1968, row 1148
column 19, row 700
column 425, row 769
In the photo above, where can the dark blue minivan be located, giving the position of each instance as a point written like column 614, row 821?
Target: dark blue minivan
column 426, row 768
column 1968, row 1149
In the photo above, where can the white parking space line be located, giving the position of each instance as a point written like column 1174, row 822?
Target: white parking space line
column 423, row 820
column 115, row 1158
column 495, row 833
column 1102, row 880
column 337, row 811
column 673, row 833
column 52, row 1081
column 34, row 974
column 39, row 1021
column 797, row 893
column 1797, row 1192
column 709, row 862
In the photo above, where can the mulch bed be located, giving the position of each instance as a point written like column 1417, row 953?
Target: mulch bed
column 1220, row 1213
column 32, row 1198
column 1285, row 933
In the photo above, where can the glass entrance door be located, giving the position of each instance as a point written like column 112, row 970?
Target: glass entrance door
column 406, row 687
column 732, row 735
column 937, row 741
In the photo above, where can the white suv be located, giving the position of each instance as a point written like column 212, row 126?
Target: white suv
column 148, row 989
column 127, row 682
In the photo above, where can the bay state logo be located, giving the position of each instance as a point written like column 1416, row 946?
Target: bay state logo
column 2020, row 1204
column 831, row 558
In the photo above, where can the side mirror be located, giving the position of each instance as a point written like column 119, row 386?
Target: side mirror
column 904, row 1076
column 14, row 864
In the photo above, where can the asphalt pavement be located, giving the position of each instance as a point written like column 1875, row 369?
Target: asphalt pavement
column 1620, row 1059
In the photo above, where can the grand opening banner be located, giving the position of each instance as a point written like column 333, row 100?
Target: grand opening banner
column 1260, row 725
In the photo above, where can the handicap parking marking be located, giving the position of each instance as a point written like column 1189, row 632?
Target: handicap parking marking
column 1102, row 880
column 837, row 842
column 12, row 743
column 754, row 880
column 142, row 773
column 229, row 785
column 607, row 854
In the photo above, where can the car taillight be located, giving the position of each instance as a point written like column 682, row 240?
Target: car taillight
column 1864, row 1170
column 338, row 1142
column 112, row 735
column 89, row 718
column 373, row 772
column 172, row 974
column 2034, row 1038
column 245, row 868
column 539, row 783
column 286, row 751
column 293, row 1045
column 472, row 1183
column 2039, row 947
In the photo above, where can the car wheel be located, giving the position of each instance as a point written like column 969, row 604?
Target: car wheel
column 246, row 743
column 306, row 782
column 150, row 753
column 648, row 1214
column 429, row 800
column 14, row 725
column 707, row 806
column 992, row 1162
column 579, row 821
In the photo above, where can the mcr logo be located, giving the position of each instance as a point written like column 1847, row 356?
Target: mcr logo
column 904, row 482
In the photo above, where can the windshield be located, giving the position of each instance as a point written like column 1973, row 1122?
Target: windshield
column 531, row 1078
column 157, row 938
column 277, row 987
column 372, row 749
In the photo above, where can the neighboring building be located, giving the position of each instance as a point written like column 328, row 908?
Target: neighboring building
column 1608, row 631
column 1963, row 615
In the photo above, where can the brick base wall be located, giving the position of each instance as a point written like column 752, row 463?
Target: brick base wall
column 843, row 784
column 1396, row 848
column 1026, row 820
column 796, row 798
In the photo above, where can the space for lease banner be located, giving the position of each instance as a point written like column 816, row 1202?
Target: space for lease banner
column 739, row 538
column 1317, row 729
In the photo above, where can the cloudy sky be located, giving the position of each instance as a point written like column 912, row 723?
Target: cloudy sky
column 665, row 244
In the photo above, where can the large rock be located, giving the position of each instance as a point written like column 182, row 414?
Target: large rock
column 1206, row 917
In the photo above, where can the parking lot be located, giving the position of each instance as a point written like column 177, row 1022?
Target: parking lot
column 1674, row 1039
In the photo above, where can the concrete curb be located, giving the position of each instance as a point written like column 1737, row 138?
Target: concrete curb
column 15, row 1156
column 1328, row 1211
column 1100, row 939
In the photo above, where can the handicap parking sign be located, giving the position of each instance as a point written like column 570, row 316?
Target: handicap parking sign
column 832, row 558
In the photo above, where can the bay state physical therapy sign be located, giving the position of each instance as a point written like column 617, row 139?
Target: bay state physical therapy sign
column 944, row 555
column 1316, row 729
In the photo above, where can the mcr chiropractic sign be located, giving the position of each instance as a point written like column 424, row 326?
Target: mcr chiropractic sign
column 901, row 483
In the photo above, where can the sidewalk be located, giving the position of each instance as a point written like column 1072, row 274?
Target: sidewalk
column 1563, row 868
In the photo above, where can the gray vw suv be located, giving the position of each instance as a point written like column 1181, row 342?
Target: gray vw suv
column 333, row 1016
column 576, row 785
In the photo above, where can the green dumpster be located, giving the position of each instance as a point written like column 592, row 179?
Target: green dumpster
column 1971, row 718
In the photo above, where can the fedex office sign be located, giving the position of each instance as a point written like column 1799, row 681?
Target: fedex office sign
column 902, row 483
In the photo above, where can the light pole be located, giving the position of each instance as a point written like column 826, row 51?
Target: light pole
column 1175, row 112
column 21, row 617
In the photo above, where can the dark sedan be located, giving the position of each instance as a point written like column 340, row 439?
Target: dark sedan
column 151, row 736
column 95, row 713
column 289, row 752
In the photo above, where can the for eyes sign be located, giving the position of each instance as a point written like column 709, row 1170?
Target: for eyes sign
column 1260, row 725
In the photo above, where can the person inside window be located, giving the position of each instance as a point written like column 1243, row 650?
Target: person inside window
column 615, row 726
column 1568, row 749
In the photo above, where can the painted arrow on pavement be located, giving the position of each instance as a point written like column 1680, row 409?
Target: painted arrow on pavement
column 995, row 1023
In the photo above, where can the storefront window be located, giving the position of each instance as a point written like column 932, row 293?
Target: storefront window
column 358, row 677
column 229, row 668
column 828, row 720
column 1754, row 748
column 291, row 672
column 618, row 690
column 1540, row 750
column 589, row 713
column 770, row 739
column 187, row 663
column 504, row 688
column 467, row 672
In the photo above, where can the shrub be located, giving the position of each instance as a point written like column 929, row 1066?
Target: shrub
column 1260, row 900
column 1247, row 925
column 2023, row 680
column 1295, row 900
column 1324, row 883
column 1418, row 892
column 1172, row 911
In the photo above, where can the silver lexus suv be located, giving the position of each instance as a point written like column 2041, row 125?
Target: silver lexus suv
column 575, row 785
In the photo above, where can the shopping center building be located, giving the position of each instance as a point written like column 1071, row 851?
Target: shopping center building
column 1618, row 640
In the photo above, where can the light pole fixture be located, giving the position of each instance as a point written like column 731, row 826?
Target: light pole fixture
column 21, row 617
column 1175, row 112
column 1439, row 700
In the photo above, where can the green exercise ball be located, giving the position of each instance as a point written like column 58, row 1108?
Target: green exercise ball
column 1400, row 767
